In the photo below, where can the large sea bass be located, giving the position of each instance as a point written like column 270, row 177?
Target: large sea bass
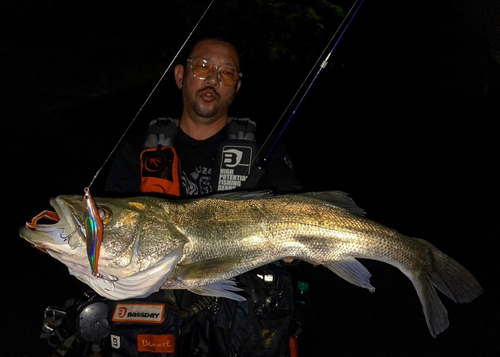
column 200, row 244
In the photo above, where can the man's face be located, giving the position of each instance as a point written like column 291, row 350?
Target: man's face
column 207, row 100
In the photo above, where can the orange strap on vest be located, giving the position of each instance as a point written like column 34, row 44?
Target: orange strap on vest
column 160, row 171
column 294, row 347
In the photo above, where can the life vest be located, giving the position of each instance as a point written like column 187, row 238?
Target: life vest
column 194, row 325
column 234, row 162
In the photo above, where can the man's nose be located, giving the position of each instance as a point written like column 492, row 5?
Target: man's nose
column 213, row 78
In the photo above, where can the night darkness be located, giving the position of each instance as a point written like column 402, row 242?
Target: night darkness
column 404, row 119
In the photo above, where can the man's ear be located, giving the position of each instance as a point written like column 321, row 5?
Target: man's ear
column 179, row 75
column 238, row 85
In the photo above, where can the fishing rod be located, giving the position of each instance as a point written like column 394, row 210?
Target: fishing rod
column 337, row 36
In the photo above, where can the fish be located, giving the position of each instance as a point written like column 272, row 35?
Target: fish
column 202, row 244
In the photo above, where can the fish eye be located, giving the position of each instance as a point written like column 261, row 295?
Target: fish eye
column 105, row 214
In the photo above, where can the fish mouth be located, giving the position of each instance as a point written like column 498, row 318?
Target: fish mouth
column 63, row 226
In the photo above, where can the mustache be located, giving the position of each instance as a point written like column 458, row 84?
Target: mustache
column 208, row 88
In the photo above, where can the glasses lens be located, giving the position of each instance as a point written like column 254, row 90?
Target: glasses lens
column 228, row 75
column 201, row 68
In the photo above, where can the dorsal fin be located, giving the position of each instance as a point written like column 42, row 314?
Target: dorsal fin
column 337, row 199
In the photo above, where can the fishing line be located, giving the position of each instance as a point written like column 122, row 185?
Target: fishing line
column 149, row 96
column 94, row 226
column 339, row 34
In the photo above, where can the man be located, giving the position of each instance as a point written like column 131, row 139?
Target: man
column 209, row 80
column 203, row 152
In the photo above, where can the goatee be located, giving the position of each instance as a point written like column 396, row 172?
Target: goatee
column 205, row 112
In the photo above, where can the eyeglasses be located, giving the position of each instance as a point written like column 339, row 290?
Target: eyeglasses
column 202, row 69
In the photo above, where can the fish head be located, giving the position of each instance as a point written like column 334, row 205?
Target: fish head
column 140, row 245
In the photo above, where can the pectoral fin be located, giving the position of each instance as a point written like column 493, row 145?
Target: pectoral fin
column 199, row 276
column 223, row 288
column 353, row 271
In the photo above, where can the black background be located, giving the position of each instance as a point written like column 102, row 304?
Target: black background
column 405, row 119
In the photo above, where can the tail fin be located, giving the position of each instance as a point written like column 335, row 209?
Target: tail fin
column 451, row 278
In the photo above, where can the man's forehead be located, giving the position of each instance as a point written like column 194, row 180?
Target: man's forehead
column 216, row 50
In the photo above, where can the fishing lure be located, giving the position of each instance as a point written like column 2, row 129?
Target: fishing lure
column 94, row 229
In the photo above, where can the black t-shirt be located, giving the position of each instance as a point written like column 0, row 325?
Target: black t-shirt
column 196, row 160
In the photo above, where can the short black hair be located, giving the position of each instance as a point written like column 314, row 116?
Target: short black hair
column 188, row 50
